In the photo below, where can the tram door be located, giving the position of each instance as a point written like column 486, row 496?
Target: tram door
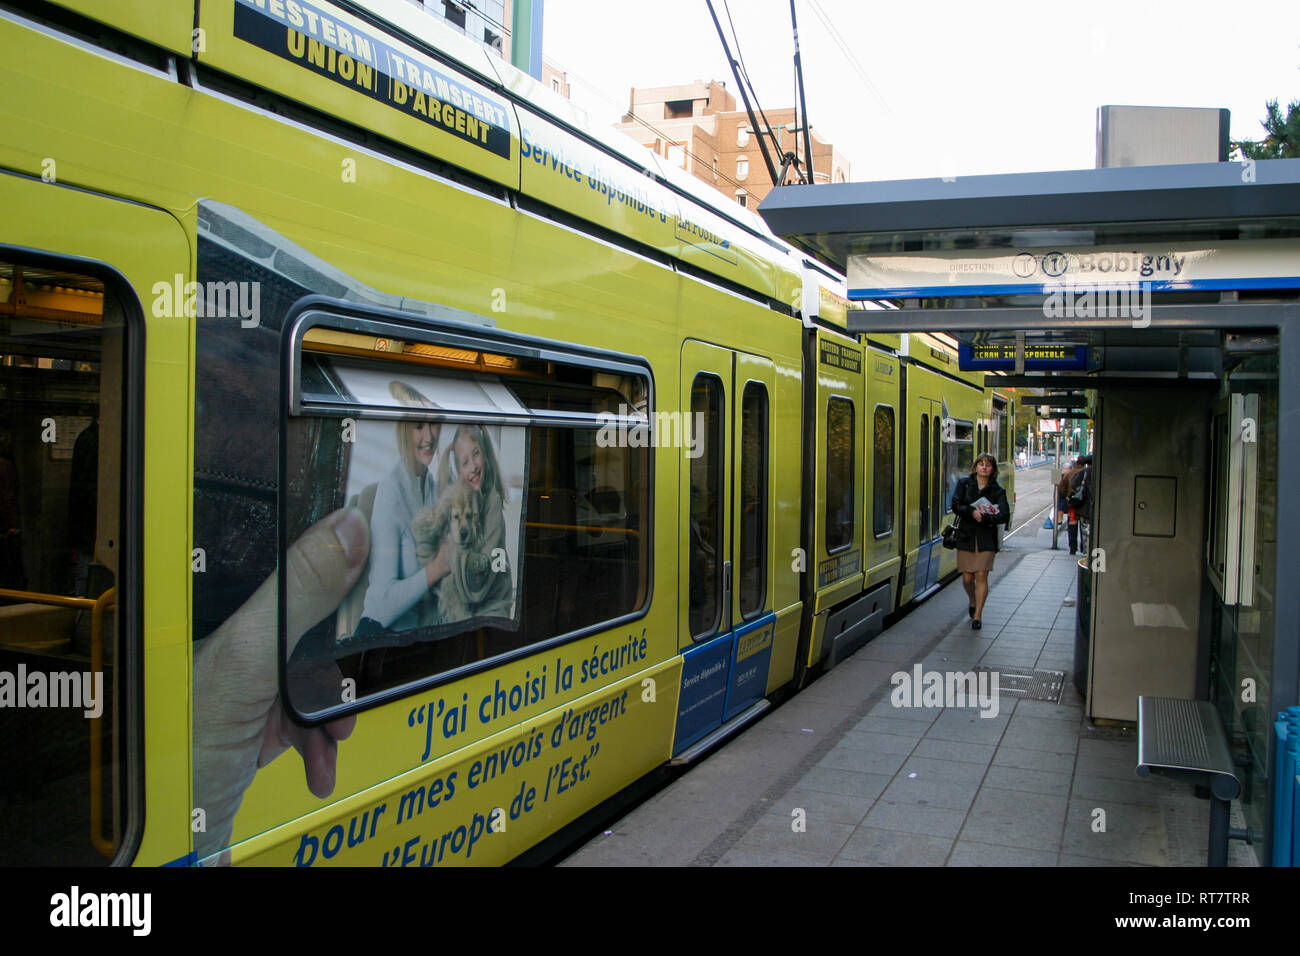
column 725, row 620
column 93, row 372
column 929, row 495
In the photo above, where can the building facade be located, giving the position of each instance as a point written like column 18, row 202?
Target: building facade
column 511, row 29
column 698, row 127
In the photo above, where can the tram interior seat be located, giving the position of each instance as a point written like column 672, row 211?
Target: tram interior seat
column 36, row 627
column 576, row 570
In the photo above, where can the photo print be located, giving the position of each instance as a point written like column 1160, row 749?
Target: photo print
column 444, row 501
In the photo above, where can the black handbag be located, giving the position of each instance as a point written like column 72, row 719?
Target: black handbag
column 951, row 532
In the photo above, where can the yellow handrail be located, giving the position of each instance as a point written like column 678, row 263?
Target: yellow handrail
column 102, row 843
column 98, row 607
column 594, row 530
column 57, row 600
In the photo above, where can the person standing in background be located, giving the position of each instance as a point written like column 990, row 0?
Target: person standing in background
column 1063, row 510
column 1080, row 497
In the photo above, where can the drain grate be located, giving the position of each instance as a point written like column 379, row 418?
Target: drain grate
column 1026, row 684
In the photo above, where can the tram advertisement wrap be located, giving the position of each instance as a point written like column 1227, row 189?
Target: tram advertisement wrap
column 300, row 619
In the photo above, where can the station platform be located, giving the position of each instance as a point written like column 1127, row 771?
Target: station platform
column 840, row 776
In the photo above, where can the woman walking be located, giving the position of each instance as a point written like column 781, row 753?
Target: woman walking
column 981, row 504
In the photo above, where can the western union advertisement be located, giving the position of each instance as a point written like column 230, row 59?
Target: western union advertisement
column 424, row 103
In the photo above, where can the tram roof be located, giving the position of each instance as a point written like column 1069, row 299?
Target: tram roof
column 836, row 220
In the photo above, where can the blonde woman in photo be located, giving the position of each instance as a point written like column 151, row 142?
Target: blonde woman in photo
column 399, row 597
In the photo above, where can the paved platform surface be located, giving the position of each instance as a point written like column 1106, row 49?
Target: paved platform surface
column 874, row 784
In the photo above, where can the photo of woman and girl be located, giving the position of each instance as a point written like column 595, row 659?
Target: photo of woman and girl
column 439, row 554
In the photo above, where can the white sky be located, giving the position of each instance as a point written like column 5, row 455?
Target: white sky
column 968, row 87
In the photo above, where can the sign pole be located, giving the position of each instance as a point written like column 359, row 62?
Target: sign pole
column 1056, row 512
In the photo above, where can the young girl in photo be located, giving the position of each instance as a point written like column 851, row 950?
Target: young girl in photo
column 472, row 459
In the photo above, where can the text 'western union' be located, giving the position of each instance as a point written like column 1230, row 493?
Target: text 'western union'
column 298, row 32
column 435, row 110
column 305, row 19
column 331, row 61
column 754, row 642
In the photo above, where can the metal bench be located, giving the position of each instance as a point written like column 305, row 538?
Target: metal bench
column 1184, row 739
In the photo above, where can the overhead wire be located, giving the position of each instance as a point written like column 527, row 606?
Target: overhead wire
column 849, row 55
column 744, row 76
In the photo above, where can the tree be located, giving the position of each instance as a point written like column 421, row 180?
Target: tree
column 1283, row 139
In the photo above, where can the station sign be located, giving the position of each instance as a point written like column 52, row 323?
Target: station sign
column 1155, row 267
column 1049, row 357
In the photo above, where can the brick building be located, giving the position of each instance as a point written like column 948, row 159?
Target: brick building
column 698, row 127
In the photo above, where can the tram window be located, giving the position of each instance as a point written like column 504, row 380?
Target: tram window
column 705, row 599
column 959, row 458
column 753, row 500
column 1002, row 435
column 882, row 505
column 527, row 487
column 839, row 474
column 924, row 497
column 936, row 480
column 63, row 375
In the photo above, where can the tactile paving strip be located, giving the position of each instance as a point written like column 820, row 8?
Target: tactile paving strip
column 1027, row 684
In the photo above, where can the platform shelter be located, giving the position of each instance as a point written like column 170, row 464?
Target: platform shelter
column 1163, row 301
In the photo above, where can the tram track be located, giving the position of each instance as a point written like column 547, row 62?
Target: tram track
column 1041, row 488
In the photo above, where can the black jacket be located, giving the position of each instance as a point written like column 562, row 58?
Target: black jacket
column 984, row 531
column 1081, row 487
